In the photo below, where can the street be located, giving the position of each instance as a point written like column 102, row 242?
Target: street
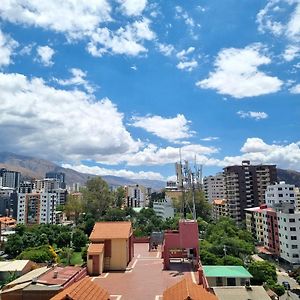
column 283, row 276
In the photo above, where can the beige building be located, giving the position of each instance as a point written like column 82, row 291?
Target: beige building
column 111, row 247
column 219, row 209
column 254, row 223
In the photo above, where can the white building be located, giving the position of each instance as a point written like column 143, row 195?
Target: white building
column 47, row 184
column 279, row 193
column 38, row 207
column 136, row 196
column 288, row 228
column 164, row 208
column 214, row 187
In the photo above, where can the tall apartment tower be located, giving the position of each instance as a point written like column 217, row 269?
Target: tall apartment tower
column 246, row 185
column 60, row 176
column 10, row 178
column 214, row 187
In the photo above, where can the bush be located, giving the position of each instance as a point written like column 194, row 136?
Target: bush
column 41, row 254
column 278, row 289
column 262, row 271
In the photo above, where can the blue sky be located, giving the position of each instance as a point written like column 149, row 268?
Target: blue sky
column 117, row 87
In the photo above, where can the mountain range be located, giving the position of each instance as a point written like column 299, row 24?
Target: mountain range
column 31, row 167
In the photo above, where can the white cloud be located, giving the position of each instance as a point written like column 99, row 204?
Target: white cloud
column 45, row 54
column 95, row 170
column 72, row 17
column 69, row 124
column 187, row 65
column 128, row 40
column 182, row 54
column 210, row 138
column 7, row 47
column 291, row 52
column 133, row 7
column 295, row 89
column 166, row 49
column 236, row 73
column 278, row 21
column 77, row 79
column 26, row 50
column 257, row 115
column 171, row 129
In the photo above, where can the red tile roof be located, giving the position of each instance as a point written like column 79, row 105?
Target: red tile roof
column 95, row 248
column 111, row 230
column 187, row 290
column 85, row 289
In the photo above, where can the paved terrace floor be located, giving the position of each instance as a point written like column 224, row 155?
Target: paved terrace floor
column 145, row 278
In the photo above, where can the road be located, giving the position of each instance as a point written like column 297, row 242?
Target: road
column 283, row 276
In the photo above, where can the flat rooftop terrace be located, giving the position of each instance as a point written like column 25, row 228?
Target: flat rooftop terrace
column 144, row 278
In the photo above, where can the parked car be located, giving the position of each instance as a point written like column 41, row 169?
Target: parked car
column 286, row 285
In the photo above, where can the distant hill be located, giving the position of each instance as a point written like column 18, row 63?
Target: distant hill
column 289, row 176
column 31, row 167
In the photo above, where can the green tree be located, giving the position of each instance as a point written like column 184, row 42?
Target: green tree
column 119, row 197
column 97, row 197
column 41, row 254
column 115, row 214
column 63, row 239
column 278, row 289
column 14, row 245
column 229, row 260
column 84, row 253
column 89, row 225
column 79, row 240
column 262, row 271
column 74, row 206
column 208, row 258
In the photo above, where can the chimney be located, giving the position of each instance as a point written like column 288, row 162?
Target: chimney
column 55, row 274
column 248, row 285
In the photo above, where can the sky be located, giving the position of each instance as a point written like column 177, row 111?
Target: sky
column 117, row 87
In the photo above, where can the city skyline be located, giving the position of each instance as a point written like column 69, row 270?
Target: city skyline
column 118, row 87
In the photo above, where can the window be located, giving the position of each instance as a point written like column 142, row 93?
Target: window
column 292, row 220
column 280, row 195
column 292, row 195
column 219, row 281
column 293, row 238
column 294, row 246
column 295, row 255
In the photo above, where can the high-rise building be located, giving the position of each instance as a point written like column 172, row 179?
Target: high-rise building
column 37, row 207
column 136, row 195
column 10, row 178
column 246, row 185
column 60, row 176
column 214, row 187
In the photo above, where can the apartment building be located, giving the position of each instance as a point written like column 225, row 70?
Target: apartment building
column 245, row 187
column 214, row 187
column 37, row 207
column 219, row 209
column 164, row 208
column 136, row 196
column 59, row 176
column 10, row 178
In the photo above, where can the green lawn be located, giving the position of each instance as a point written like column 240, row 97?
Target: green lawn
column 76, row 259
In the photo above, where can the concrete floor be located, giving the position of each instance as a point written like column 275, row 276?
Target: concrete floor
column 145, row 278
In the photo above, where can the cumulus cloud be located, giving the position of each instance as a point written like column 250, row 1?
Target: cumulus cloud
column 128, row 40
column 276, row 18
column 133, row 7
column 237, row 74
column 187, row 65
column 256, row 115
column 295, row 89
column 210, row 138
column 45, row 54
column 78, row 79
column 7, row 47
column 96, row 170
column 69, row 124
column 171, row 129
column 291, row 52
column 72, row 17
column 166, row 49
column 183, row 53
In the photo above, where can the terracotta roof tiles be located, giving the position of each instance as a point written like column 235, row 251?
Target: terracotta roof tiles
column 187, row 290
column 85, row 289
column 95, row 248
column 111, row 230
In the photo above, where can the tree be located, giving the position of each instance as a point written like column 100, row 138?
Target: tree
column 229, row 260
column 63, row 239
column 119, row 197
column 74, row 206
column 278, row 289
column 208, row 258
column 89, row 225
column 262, row 271
column 97, row 197
column 14, row 245
column 115, row 214
column 79, row 240
column 41, row 254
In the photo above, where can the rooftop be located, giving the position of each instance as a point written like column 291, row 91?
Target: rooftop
column 186, row 289
column 241, row 292
column 219, row 201
column 13, row 265
column 95, row 248
column 226, row 271
column 58, row 275
column 84, row 289
column 111, row 230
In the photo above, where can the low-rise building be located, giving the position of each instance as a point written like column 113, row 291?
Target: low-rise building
column 214, row 187
column 164, row 208
column 111, row 247
column 18, row 267
column 219, row 209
